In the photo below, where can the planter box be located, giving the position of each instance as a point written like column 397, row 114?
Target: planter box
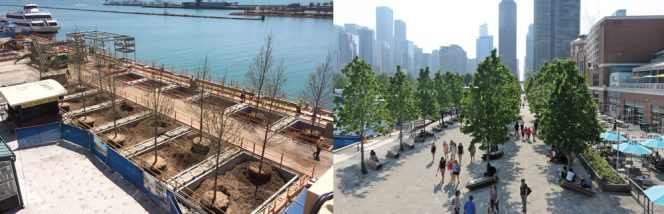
column 604, row 186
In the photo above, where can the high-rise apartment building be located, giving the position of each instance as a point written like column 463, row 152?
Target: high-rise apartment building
column 483, row 44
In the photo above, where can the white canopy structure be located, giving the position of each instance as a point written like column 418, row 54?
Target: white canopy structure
column 32, row 94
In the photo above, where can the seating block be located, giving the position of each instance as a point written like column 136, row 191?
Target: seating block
column 576, row 188
column 480, row 182
column 409, row 145
column 392, row 154
column 375, row 165
column 493, row 155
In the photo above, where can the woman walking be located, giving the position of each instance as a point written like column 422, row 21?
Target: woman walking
column 453, row 149
column 460, row 150
column 433, row 151
column 471, row 149
column 445, row 148
column 456, row 171
column 441, row 168
column 493, row 199
column 456, row 202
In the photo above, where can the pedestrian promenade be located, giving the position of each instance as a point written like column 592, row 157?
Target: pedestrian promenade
column 410, row 184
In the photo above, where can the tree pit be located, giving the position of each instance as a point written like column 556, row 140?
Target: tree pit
column 305, row 132
column 239, row 185
column 256, row 116
column 122, row 109
column 79, row 103
column 144, row 129
column 150, row 85
column 128, row 77
column 181, row 92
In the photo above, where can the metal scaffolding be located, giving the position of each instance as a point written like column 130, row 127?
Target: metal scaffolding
column 100, row 43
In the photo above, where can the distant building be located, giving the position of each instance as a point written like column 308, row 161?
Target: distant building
column 624, row 58
column 483, row 44
column 507, row 35
column 471, row 66
column 578, row 54
column 348, row 48
column 367, row 41
column 400, row 41
column 621, row 12
column 453, row 58
column 556, row 25
column 410, row 56
column 385, row 55
column 385, row 25
column 351, row 28
column 435, row 60
column 528, row 64
column 426, row 60
column 417, row 58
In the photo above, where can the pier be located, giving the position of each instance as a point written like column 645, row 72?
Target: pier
column 150, row 14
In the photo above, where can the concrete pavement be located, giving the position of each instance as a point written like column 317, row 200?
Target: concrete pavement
column 410, row 183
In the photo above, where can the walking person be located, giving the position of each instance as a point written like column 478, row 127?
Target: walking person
column 453, row 149
column 441, row 168
column 460, row 150
column 516, row 129
column 522, row 134
column 528, row 133
column 446, row 149
column 456, row 171
column 450, row 167
column 524, row 192
column 433, row 151
column 319, row 147
column 469, row 206
column 493, row 199
column 471, row 149
column 456, row 202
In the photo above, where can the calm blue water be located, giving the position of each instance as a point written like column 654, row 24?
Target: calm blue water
column 182, row 43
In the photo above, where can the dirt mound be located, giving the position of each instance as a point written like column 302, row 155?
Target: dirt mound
column 240, row 189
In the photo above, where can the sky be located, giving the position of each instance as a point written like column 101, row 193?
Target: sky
column 435, row 23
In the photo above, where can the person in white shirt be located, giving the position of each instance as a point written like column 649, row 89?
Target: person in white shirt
column 570, row 175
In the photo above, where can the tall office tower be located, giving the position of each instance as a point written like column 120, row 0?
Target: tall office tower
column 426, row 60
column 385, row 55
column 453, row 58
column 367, row 41
column 410, row 56
column 435, row 60
column 483, row 44
column 351, row 28
column 556, row 24
column 348, row 48
column 528, row 64
column 507, row 35
column 417, row 58
column 400, row 41
column 385, row 27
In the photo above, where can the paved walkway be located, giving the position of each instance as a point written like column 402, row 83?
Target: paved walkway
column 410, row 184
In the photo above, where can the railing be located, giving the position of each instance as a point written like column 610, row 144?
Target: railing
column 645, row 86
column 640, row 197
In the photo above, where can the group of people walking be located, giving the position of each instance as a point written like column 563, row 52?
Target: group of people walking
column 494, row 197
column 525, row 132
column 448, row 161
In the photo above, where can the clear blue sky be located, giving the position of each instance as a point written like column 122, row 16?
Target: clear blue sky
column 434, row 23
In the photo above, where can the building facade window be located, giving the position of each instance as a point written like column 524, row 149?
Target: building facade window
column 633, row 112
column 658, row 118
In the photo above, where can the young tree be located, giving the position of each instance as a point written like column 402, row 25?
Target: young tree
column 276, row 78
column 426, row 96
column 161, row 106
column 318, row 88
column 455, row 85
column 200, row 109
column 401, row 101
column 225, row 129
column 539, row 87
column 360, row 108
column 568, row 118
column 260, row 71
column 442, row 90
column 112, row 91
column 490, row 104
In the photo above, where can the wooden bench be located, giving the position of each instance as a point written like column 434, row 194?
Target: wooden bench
column 576, row 188
column 392, row 153
column 481, row 182
column 375, row 165
column 493, row 155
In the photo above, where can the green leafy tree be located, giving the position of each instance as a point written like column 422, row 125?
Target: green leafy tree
column 455, row 88
column 539, row 87
column 467, row 78
column 360, row 108
column 426, row 95
column 339, row 80
column 490, row 104
column 401, row 101
column 568, row 118
column 442, row 90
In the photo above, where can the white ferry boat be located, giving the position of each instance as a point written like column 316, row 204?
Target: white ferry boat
column 32, row 19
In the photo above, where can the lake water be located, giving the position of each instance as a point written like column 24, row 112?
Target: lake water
column 182, row 43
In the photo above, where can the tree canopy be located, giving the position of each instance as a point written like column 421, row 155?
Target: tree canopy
column 426, row 95
column 568, row 114
column 401, row 103
column 490, row 103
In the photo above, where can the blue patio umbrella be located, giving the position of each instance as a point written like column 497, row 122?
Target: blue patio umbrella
column 613, row 136
column 632, row 148
column 655, row 143
column 655, row 194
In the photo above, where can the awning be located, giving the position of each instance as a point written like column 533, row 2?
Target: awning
column 31, row 94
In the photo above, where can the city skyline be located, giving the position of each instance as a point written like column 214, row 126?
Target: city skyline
column 465, row 32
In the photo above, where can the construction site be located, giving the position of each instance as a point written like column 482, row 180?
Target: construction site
column 217, row 148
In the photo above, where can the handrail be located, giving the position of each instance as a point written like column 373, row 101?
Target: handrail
column 640, row 197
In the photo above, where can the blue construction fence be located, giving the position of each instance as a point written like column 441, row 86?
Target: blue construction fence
column 152, row 187
column 343, row 141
